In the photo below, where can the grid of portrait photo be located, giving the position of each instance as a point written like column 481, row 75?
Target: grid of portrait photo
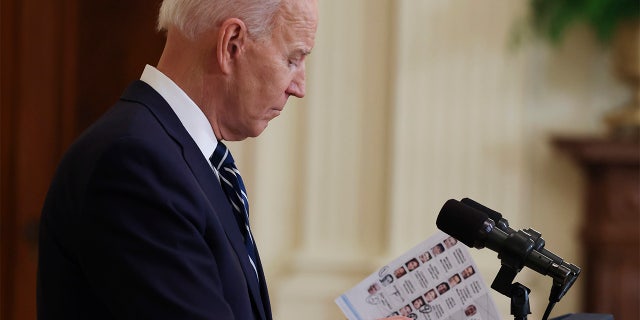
column 437, row 279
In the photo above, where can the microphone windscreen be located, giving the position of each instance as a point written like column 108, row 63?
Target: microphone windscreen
column 461, row 221
column 493, row 215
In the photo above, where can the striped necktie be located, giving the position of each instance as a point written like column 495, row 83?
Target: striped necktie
column 233, row 187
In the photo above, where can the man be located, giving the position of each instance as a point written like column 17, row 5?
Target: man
column 147, row 217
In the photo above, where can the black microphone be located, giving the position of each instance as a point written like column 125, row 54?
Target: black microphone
column 503, row 225
column 539, row 243
column 516, row 249
column 500, row 222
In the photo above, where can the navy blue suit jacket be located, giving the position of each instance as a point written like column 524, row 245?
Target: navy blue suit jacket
column 136, row 226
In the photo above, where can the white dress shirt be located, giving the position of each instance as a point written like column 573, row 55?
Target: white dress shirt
column 188, row 112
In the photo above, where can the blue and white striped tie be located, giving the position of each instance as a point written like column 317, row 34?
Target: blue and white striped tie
column 233, row 187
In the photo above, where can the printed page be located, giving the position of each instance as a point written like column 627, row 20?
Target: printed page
column 437, row 279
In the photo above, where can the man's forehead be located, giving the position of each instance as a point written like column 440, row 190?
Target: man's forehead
column 300, row 11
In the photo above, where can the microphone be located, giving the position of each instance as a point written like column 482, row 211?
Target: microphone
column 534, row 235
column 473, row 224
column 503, row 224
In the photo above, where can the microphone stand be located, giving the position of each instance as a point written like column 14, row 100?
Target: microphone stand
column 518, row 293
column 518, row 246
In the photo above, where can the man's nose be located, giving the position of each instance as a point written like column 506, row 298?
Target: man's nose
column 297, row 85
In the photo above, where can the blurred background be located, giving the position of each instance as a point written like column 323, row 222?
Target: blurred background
column 409, row 103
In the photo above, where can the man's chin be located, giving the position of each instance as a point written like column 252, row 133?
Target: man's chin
column 258, row 130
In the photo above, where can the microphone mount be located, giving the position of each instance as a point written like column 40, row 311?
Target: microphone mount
column 516, row 248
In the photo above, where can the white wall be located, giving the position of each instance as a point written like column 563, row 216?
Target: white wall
column 410, row 103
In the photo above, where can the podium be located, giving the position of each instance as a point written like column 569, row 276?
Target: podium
column 585, row 316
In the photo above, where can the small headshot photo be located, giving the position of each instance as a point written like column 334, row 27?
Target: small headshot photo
column 430, row 295
column 467, row 272
column 470, row 310
column 454, row 280
column 373, row 289
column 450, row 242
column 405, row 311
column 418, row 303
column 386, row 280
column 425, row 257
column 438, row 249
column 442, row 287
column 412, row 264
column 400, row 272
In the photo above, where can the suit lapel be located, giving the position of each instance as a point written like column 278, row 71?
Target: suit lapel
column 142, row 93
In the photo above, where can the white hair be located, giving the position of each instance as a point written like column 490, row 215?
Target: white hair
column 193, row 17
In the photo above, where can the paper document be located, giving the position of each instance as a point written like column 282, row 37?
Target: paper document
column 437, row 279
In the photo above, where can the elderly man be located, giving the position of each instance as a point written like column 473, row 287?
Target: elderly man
column 147, row 216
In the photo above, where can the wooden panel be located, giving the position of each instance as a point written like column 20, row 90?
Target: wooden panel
column 63, row 64
column 31, row 138
column 611, row 231
column 116, row 39
column 7, row 206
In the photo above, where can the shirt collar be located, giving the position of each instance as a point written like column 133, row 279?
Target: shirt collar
column 190, row 115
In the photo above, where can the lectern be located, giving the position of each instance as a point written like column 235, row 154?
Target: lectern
column 585, row 316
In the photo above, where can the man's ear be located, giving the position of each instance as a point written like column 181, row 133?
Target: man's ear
column 232, row 36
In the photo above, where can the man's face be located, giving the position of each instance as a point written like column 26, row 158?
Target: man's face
column 270, row 71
